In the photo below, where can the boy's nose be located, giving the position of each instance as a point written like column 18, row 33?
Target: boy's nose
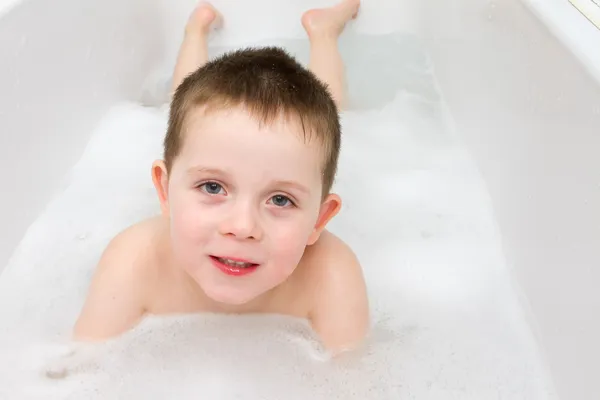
column 242, row 222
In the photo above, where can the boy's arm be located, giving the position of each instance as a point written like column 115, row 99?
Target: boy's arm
column 341, row 311
column 114, row 302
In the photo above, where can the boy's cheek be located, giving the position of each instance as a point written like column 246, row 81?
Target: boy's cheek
column 187, row 226
column 290, row 247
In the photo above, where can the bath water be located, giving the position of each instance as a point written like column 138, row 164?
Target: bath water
column 446, row 323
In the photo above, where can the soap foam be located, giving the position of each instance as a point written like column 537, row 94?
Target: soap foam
column 446, row 323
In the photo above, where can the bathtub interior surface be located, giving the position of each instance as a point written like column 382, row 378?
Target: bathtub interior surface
column 58, row 77
column 573, row 28
column 525, row 107
column 525, row 96
column 446, row 323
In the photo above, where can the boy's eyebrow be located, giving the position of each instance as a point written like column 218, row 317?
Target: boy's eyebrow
column 292, row 184
column 211, row 171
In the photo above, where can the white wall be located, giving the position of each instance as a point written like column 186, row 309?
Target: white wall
column 527, row 109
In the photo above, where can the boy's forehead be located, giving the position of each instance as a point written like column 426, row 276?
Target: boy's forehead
column 243, row 138
column 204, row 124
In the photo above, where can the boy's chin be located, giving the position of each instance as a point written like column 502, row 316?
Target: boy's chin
column 227, row 296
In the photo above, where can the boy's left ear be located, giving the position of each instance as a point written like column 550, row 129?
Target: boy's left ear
column 329, row 208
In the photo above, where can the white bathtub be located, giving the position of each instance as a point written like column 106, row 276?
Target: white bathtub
column 526, row 106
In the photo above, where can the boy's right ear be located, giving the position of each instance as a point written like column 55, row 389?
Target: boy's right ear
column 160, row 178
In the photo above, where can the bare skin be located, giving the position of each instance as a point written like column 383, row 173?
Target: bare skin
column 138, row 275
column 323, row 27
column 193, row 52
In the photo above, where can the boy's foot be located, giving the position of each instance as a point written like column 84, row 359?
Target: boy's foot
column 203, row 18
column 330, row 21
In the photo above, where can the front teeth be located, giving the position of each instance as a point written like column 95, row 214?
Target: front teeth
column 236, row 264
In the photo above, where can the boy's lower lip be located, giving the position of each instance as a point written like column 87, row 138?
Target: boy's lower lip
column 230, row 270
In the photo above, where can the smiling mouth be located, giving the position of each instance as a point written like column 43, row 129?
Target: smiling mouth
column 232, row 266
column 234, row 263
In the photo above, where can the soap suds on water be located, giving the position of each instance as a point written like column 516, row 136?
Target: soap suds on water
column 446, row 322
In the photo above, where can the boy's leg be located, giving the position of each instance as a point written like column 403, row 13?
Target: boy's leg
column 323, row 27
column 193, row 52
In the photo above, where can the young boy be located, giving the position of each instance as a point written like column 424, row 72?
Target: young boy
column 250, row 156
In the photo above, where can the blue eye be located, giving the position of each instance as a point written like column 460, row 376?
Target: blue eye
column 211, row 187
column 281, row 201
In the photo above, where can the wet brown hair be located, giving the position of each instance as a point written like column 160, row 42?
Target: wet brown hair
column 269, row 84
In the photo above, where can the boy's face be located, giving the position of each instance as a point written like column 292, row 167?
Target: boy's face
column 244, row 201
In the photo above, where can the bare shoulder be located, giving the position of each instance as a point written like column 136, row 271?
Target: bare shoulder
column 138, row 244
column 340, row 311
column 117, row 293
